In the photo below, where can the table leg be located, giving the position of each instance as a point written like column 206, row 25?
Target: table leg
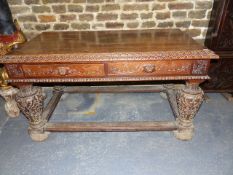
column 30, row 100
column 189, row 100
column 8, row 93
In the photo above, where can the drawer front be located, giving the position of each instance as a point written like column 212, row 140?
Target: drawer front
column 109, row 70
column 150, row 68
column 66, row 70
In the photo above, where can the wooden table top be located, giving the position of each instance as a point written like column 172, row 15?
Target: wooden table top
column 99, row 45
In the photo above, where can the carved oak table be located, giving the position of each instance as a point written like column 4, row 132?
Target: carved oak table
column 78, row 58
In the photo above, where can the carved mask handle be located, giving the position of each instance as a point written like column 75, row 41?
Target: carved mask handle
column 149, row 68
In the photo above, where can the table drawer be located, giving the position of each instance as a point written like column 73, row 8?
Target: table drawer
column 65, row 70
column 150, row 68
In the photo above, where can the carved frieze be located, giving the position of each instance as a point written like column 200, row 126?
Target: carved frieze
column 107, row 79
column 82, row 57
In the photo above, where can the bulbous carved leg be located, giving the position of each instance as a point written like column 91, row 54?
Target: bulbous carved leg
column 8, row 93
column 188, row 102
column 30, row 100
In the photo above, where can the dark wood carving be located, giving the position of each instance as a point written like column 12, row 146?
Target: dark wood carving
column 188, row 103
column 112, row 56
column 147, row 68
column 64, row 70
column 220, row 39
column 225, row 38
column 221, row 74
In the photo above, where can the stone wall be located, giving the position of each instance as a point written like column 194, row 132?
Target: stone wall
column 35, row 16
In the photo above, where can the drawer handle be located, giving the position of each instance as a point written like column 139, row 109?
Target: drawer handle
column 149, row 68
column 63, row 71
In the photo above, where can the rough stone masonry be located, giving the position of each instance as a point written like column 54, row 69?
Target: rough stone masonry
column 35, row 16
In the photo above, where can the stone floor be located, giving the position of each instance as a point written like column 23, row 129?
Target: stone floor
column 142, row 153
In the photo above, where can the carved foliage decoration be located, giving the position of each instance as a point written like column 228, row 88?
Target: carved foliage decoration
column 30, row 101
column 188, row 102
column 200, row 67
column 63, row 70
column 152, row 67
column 14, row 70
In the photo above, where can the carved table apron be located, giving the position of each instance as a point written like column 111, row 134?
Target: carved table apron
column 108, row 56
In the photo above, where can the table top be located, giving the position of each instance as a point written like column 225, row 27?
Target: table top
column 105, row 45
column 108, row 41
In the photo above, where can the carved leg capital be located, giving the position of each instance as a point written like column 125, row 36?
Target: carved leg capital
column 8, row 93
column 188, row 102
column 30, row 100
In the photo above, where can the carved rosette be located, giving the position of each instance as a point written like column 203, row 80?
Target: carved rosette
column 30, row 101
column 188, row 102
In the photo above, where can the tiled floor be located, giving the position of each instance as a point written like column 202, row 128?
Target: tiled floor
column 142, row 153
